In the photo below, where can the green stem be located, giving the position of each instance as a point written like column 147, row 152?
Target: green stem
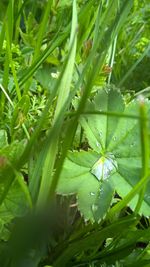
column 145, row 148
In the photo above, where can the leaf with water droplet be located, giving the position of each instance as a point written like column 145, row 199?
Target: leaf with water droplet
column 103, row 200
column 92, row 193
column 100, row 128
column 104, row 167
column 117, row 159
column 76, row 177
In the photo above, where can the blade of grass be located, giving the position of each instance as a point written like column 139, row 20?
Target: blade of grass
column 8, row 45
column 8, row 21
column 62, row 97
column 96, row 237
column 24, row 188
column 112, row 58
column 40, row 122
column 6, row 95
column 130, row 71
column 18, row 8
column 2, row 37
column 42, row 28
column 14, row 75
column 86, row 23
column 145, row 148
column 40, row 37
column 57, row 40
column 124, row 202
column 34, row 180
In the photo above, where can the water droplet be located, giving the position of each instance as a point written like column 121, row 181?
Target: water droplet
column 114, row 138
column 100, row 133
column 94, row 207
column 97, row 144
column 92, row 193
column 104, row 167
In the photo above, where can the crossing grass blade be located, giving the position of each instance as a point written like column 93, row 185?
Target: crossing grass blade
column 130, row 71
column 42, row 28
column 63, row 93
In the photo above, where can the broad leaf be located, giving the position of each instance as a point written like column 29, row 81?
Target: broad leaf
column 13, row 194
column 113, row 164
column 14, row 205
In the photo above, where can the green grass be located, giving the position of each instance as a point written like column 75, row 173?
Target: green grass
column 56, row 57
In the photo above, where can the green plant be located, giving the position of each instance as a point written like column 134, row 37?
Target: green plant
column 59, row 110
column 115, row 162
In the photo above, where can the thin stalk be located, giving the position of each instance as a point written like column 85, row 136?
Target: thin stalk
column 112, row 58
column 123, row 203
column 145, row 148
column 42, row 29
column 17, row 22
column 12, row 64
column 11, row 103
column 130, row 71
column 107, row 113
column 7, row 96
column 8, row 24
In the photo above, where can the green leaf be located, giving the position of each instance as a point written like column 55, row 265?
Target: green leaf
column 99, row 129
column 14, row 205
column 12, row 152
column 77, row 178
column 115, row 164
column 121, row 137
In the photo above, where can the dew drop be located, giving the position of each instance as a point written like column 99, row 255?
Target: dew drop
column 104, row 167
column 114, row 138
column 94, row 207
column 97, row 144
column 100, row 134
column 92, row 193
